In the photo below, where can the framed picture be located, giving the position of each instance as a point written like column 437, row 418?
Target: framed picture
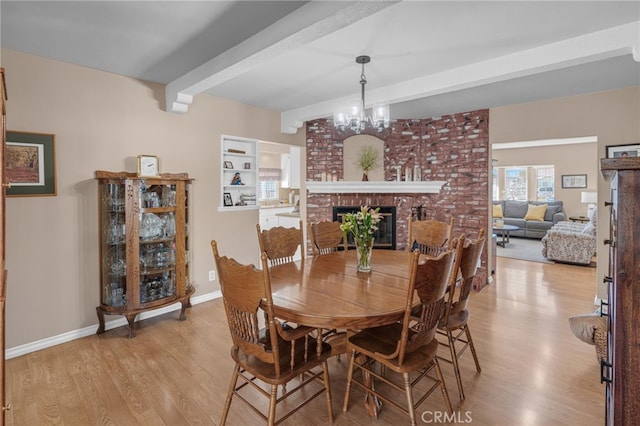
column 228, row 165
column 574, row 181
column 623, row 151
column 227, row 199
column 30, row 164
column 247, row 166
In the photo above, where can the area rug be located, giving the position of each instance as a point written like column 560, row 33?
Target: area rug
column 524, row 249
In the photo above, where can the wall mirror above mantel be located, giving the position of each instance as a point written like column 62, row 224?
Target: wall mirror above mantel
column 351, row 151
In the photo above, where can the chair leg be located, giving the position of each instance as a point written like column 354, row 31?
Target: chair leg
column 473, row 348
column 232, row 386
column 327, row 388
column 443, row 387
column 409, row 395
column 272, row 405
column 454, row 361
column 345, row 404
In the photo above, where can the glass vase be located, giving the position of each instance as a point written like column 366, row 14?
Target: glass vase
column 363, row 250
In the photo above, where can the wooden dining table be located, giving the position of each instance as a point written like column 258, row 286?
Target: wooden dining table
column 328, row 292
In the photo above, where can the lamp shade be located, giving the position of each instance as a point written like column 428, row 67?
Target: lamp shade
column 589, row 197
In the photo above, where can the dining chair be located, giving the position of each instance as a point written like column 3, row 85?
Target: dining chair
column 273, row 354
column 326, row 237
column 454, row 324
column 430, row 236
column 407, row 346
column 280, row 243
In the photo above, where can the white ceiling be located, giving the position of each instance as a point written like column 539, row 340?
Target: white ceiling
column 428, row 58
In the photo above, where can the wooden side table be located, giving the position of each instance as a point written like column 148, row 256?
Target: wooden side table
column 582, row 219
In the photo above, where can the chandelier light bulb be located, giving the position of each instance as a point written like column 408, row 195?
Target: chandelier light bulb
column 352, row 115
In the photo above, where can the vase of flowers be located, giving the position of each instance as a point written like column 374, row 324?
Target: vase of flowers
column 362, row 225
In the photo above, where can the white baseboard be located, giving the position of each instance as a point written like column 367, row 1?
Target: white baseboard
column 87, row 331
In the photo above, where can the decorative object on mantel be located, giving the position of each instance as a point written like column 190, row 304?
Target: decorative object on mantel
column 362, row 225
column 352, row 115
column 367, row 160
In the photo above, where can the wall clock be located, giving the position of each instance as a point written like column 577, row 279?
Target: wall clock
column 148, row 165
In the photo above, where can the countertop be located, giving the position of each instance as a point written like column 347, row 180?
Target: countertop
column 276, row 206
column 290, row 214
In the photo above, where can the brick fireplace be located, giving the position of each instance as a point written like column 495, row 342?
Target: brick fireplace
column 452, row 148
column 385, row 236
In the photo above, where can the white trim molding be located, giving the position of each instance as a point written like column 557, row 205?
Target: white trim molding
column 371, row 187
column 90, row 330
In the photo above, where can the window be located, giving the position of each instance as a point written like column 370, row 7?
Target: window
column 268, row 183
column 516, row 183
column 544, row 180
column 524, row 183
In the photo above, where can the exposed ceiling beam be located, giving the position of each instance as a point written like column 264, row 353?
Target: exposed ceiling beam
column 308, row 23
column 612, row 42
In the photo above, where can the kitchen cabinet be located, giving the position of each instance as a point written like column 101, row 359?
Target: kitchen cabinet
column 269, row 218
column 290, row 165
column 294, row 174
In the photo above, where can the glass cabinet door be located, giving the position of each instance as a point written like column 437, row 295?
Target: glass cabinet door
column 114, row 271
column 157, row 243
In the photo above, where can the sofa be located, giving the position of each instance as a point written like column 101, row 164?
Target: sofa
column 515, row 213
column 571, row 242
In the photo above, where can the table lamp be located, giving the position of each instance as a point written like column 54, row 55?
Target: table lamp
column 590, row 198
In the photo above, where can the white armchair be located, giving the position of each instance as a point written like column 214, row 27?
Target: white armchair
column 571, row 242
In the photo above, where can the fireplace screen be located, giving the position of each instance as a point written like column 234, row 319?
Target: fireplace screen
column 385, row 236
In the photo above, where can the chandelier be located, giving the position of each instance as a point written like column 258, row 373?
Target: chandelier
column 352, row 115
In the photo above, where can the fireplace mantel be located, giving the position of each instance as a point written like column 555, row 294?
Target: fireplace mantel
column 375, row 187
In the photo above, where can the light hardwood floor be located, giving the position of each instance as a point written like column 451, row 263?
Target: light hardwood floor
column 534, row 371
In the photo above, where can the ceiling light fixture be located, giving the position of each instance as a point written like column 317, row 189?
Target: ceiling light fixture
column 352, row 115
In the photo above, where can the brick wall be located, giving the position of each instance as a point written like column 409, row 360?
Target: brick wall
column 452, row 148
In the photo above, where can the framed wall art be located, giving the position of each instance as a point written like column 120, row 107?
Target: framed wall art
column 228, row 201
column 574, row 181
column 623, row 151
column 30, row 164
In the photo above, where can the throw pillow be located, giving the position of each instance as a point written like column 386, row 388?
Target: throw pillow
column 497, row 210
column 551, row 211
column 583, row 326
column 536, row 212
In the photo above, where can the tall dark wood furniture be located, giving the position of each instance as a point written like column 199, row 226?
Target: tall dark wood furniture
column 621, row 370
column 3, row 273
column 144, row 262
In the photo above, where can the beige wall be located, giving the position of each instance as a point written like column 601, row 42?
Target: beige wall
column 103, row 121
column 613, row 116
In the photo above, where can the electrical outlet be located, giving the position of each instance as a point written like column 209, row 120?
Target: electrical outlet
column 212, row 275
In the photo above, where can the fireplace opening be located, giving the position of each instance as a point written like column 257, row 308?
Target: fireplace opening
column 385, row 236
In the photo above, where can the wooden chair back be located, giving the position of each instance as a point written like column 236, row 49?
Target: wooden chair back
column 273, row 355
column 469, row 252
column 280, row 244
column 326, row 237
column 430, row 236
column 429, row 278
column 243, row 289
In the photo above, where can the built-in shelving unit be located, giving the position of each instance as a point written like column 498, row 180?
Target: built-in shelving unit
column 238, row 173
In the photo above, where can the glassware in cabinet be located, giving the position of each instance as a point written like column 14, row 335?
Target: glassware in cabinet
column 143, row 244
